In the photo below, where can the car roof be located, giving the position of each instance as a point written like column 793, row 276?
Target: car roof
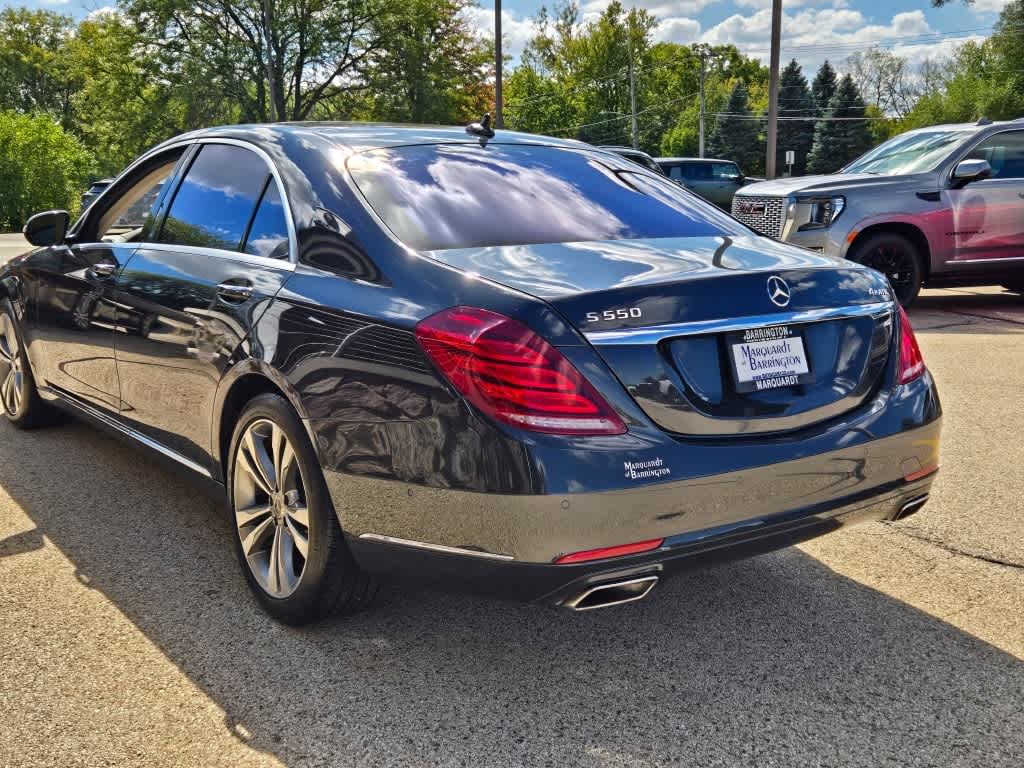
column 351, row 137
column 693, row 160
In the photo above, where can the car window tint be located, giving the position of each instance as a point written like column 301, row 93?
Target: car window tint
column 675, row 172
column 1004, row 152
column 128, row 215
column 435, row 197
column 268, row 235
column 215, row 202
column 725, row 171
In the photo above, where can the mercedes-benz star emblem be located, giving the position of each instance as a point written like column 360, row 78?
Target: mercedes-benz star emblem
column 778, row 291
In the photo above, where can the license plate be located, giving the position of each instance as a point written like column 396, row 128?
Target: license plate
column 768, row 358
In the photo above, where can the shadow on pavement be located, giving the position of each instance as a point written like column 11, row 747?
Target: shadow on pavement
column 967, row 310
column 776, row 660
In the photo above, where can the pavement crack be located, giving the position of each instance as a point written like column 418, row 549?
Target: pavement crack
column 953, row 550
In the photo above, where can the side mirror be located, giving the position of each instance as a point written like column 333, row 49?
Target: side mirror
column 47, row 228
column 967, row 171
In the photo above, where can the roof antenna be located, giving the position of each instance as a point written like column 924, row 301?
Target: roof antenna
column 482, row 130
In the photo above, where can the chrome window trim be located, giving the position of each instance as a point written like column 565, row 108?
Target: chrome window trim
column 263, row 261
column 293, row 242
column 648, row 335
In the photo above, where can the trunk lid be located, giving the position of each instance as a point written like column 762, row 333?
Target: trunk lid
column 676, row 318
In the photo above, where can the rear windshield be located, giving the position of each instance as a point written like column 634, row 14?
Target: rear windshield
column 435, row 197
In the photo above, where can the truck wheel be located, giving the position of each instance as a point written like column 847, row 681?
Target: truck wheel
column 896, row 257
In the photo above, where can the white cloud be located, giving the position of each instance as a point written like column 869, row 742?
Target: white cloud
column 516, row 31
column 106, row 10
column 812, row 35
column 677, row 30
column 663, row 9
column 989, row 6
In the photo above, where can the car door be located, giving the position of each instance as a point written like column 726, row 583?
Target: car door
column 726, row 180
column 698, row 178
column 74, row 296
column 190, row 297
column 987, row 217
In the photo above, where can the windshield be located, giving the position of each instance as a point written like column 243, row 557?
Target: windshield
column 435, row 197
column 908, row 153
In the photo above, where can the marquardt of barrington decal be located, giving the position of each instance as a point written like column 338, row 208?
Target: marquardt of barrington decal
column 644, row 470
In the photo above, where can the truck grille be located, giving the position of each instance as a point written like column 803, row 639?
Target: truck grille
column 765, row 215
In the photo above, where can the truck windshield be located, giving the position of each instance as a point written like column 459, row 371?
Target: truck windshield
column 909, row 153
column 435, row 197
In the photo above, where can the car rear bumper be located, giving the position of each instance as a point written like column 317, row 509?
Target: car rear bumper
column 506, row 544
column 563, row 585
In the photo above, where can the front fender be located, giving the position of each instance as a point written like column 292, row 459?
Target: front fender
column 900, row 219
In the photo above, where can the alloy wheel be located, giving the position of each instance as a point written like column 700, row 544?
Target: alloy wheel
column 11, row 373
column 899, row 265
column 271, row 512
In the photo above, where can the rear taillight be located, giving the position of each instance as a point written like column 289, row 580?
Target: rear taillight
column 513, row 375
column 911, row 361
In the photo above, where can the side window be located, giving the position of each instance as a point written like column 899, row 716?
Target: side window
column 676, row 172
column 1004, row 152
column 726, row 171
column 216, row 200
column 128, row 215
column 268, row 235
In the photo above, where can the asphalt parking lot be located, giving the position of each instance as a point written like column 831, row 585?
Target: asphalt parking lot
column 127, row 636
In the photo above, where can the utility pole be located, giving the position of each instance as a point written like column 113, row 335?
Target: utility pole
column 773, row 89
column 268, row 22
column 499, row 107
column 632, row 101
column 703, row 66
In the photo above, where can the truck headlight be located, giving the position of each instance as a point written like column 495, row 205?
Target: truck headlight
column 821, row 211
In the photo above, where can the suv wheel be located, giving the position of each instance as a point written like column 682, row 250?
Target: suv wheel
column 896, row 257
column 19, row 398
column 288, row 539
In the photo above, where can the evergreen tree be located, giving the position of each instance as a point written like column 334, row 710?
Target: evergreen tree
column 824, row 87
column 736, row 136
column 795, row 100
column 838, row 141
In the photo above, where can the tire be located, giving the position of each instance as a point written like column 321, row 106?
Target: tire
column 329, row 581
column 19, row 398
column 896, row 257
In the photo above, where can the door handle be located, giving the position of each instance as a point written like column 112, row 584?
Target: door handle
column 103, row 269
column 234, row 292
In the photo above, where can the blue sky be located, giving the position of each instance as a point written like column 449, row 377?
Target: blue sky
column 812, row 29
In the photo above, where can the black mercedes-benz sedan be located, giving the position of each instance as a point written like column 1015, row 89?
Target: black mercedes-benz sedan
column 469, row 360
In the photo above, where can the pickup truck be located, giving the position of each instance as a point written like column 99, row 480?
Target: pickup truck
column 935, row 206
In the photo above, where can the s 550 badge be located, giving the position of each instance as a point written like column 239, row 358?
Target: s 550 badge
column 614, row 314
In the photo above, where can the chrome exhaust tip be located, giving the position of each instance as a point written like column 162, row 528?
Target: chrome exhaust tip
column 612, row 593
column 911, row 507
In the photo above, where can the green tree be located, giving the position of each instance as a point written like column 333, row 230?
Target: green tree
column 33, row 76
column 795, row 101
column 434, row 67
column 736, row 135
column 274, row 59
column 42, row 166
column 130, row 97
column 842, row 134
column 824, row 86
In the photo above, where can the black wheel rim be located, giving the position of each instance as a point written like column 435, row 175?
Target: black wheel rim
column 899, row 266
